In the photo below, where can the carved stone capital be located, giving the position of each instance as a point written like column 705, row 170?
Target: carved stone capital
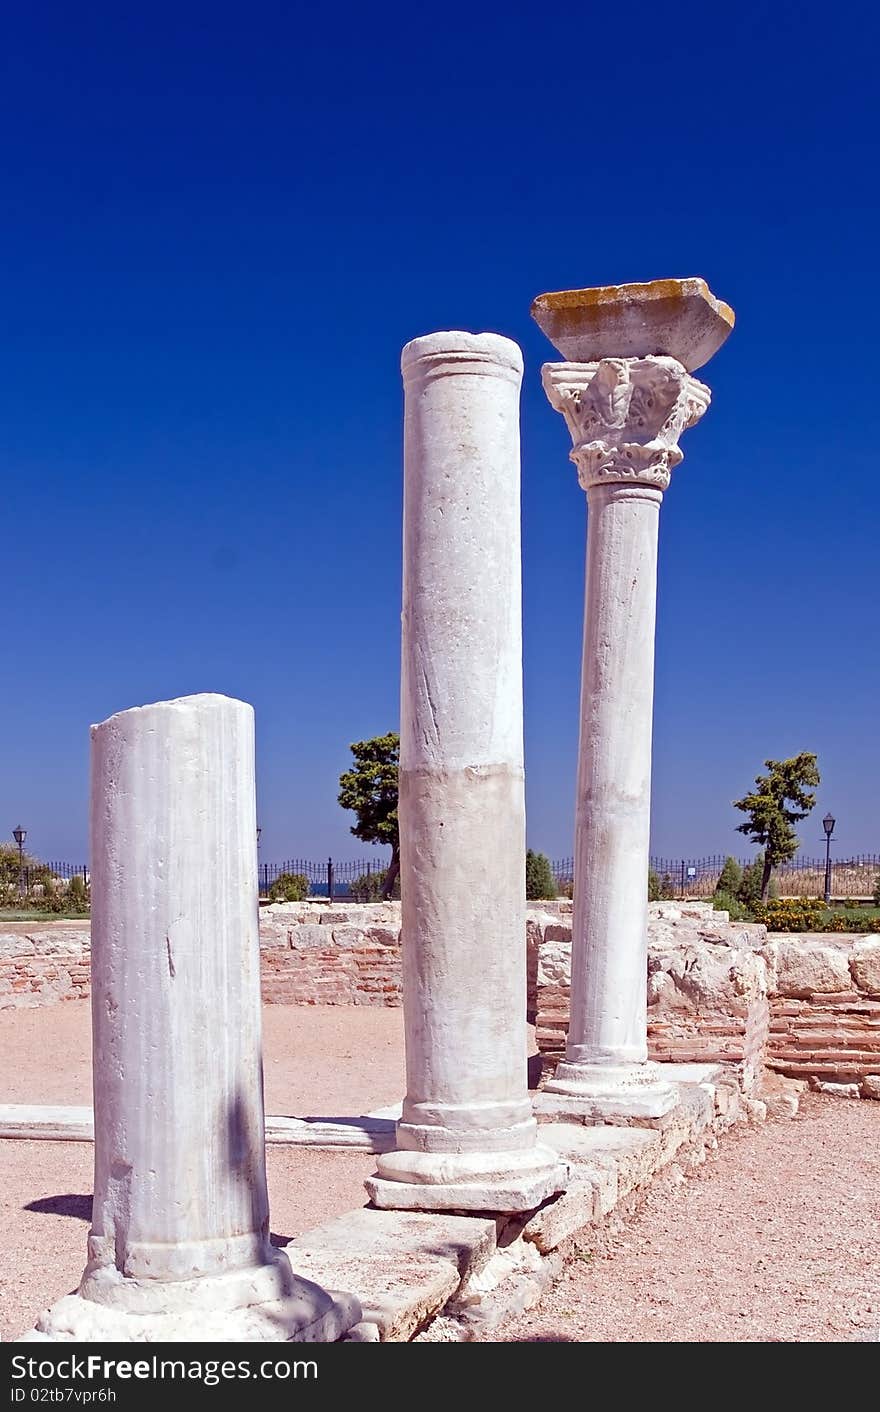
column 625, row 416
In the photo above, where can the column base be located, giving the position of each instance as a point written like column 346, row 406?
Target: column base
column 466, row 1181
column 266, row 1304
column 605, row 1093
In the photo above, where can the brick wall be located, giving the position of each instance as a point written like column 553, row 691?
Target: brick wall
column 42, row 964
column 310, row 955
column 824, row 1007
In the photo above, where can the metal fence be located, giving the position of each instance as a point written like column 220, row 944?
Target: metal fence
column 802, row 877
column 681, row 877
column 332, row 878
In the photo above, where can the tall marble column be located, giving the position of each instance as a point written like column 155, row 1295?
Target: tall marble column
column 179, row 1246
column 467, row 1138
column 626, row 401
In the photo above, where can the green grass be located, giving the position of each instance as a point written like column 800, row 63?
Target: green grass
column 35, row 914
column 862, row 914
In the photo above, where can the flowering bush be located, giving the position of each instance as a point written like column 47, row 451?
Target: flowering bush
column 809, row 914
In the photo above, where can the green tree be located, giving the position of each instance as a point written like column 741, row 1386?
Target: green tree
column 9, row 863
column 780, row 800
column 368, row 887
column 540, row 882
column 369, row 789
column 877, row 891
column 655, row 887
column 730, row 878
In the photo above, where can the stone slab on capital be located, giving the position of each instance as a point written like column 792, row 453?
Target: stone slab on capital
column 676, row 318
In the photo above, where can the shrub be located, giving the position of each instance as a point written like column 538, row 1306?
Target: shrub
column 730, row 879
column 368, row 887
column 809, row 914
column 540, row 882
column 78, row 896
column 654, row 889
column 877, row 891
column 749, row 890
column 792, row 914
column 725, row 902
column 290, row 887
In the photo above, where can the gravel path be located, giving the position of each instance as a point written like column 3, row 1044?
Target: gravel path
column 777, row 1240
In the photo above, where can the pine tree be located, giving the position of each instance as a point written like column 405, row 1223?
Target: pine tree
column 729, row 879
column 540, row 882
column 769, row 807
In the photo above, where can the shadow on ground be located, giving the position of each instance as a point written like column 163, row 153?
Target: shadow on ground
column 67, row 1205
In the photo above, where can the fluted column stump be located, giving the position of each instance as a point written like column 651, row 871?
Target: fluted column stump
column 626, row 402
column 467, row 1137
column 179, row 1246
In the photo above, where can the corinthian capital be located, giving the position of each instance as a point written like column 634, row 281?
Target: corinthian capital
column 625, row 416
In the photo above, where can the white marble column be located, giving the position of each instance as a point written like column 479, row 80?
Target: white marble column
column 467, row 1138
column 179, row 1246
column 625, row 416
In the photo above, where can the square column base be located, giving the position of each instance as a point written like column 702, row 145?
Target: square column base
column 596, row 1093
column 518, row 1193
column 268, row 1304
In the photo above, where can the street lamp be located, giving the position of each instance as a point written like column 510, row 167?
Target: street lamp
column 828, row 825
column 20, row 835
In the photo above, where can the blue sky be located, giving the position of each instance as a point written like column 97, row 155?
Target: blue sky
column 220, row 224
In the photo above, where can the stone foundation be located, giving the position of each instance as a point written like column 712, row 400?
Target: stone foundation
column 825, row 1009
column 446, row 1277
column 718, row 991
column 707, row 988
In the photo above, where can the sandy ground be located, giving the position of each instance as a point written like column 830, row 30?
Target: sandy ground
column 332, row 1061
column 319, row 1061
column 778, row 1239
column 775, row 1241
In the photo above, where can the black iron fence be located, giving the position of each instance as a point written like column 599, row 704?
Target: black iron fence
column 802, row 877
column 332, row 879
column 680, row 877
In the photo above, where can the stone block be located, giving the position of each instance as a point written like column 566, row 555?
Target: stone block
column 800, row 968
column 403, row 1266
column 864, row 964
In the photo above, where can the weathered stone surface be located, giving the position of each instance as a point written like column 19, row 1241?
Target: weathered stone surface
column 467, row 1138
column 870, row 1087
column 57, row 1123
column 625, row 412
column 465, row 1241
column 802, row 968
column 50, row 1122
column 836, row 1090
column 707, row 996
column 364, row 1332
column 864, row 964
column 178, row 1248
column 402, row 1266
column 677, row 317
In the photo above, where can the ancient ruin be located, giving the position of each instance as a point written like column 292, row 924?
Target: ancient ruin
column 179, row 1244
column 626, row 402
column 657, row 1026
column 467, row 1139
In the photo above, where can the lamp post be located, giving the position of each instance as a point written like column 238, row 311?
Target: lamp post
column 20, row 835
column 828, row 825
